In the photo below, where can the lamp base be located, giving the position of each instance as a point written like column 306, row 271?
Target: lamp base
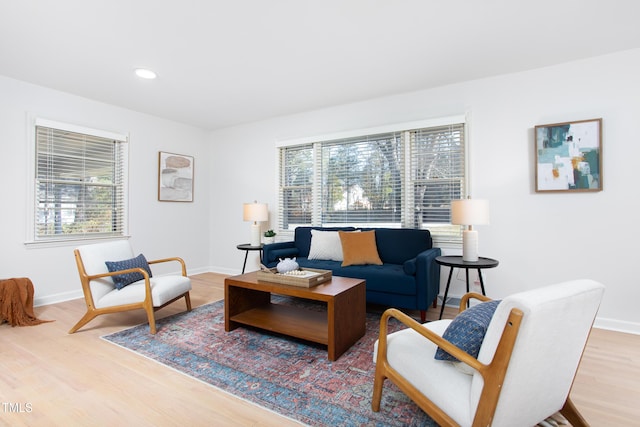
column 255, row 234
column 470, row 245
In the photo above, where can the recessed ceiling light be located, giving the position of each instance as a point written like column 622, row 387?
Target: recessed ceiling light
column 145, row 74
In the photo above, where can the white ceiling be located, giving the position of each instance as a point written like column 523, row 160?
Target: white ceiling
column 222, row 63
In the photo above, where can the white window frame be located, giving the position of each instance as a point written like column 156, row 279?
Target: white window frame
column 31, row 239
column 316, row 141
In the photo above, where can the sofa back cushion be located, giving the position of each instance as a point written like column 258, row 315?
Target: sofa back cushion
column 397, row 245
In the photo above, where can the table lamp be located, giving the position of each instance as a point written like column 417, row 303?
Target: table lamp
column 470, row 212
column 255, row 212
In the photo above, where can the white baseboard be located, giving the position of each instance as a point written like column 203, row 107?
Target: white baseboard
column 223, row 270
column 56, row 298
column 193, row 271
column 617, row 325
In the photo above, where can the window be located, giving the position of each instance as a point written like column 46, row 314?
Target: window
column 80, row 183
column 403, row 178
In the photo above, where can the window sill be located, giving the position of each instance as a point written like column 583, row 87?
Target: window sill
column 53, row 243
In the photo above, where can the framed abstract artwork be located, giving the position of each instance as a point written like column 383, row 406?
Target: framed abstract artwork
column 175, row 177
column 569, row 156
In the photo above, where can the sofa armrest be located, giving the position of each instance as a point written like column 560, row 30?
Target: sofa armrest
column 410, row 266
column 271, row 253
column 427, row 277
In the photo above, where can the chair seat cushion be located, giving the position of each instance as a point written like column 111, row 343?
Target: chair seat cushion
column 439, row 380
column 163, row 289
column 122, row 280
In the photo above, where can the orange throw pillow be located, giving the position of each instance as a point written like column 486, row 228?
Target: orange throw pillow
column 359, row 248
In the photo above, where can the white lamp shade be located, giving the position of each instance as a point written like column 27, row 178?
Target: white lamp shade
column 470, row 212
column 256, row 212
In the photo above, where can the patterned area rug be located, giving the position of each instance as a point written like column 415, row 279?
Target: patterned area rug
column 293, row 378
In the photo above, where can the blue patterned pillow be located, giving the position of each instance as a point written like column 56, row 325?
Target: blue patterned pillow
column 468, row 328
column 122, row 280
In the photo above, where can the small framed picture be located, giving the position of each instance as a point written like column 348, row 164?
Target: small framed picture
column 175, row 177
column 569, row 156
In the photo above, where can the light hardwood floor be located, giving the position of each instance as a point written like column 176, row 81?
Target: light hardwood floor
column 60, row 379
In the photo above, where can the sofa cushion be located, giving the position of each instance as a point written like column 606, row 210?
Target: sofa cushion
column 325, row 245
column 359, row 248
column 397, row 245
column 122, row 280
column 468, row 329
column 386, row 278
column 321, row 264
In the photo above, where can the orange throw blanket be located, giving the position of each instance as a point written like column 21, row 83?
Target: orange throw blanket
column 16, row 302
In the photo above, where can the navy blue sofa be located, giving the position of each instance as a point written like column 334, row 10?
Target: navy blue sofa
column 408, row 279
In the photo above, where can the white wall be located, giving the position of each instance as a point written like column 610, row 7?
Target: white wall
column 157, row 229
column 539, row 238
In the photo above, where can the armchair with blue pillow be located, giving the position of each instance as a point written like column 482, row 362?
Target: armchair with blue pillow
column 114, row 280
column 500, row 363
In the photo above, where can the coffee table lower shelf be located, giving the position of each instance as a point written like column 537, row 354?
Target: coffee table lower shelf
column 287, row 320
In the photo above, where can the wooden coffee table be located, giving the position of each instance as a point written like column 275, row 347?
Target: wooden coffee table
column 247, row 301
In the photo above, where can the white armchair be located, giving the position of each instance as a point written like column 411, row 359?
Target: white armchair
column 524, row 369
column 101, row 294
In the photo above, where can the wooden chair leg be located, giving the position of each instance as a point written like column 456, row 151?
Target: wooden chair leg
column 423, row 316
column 187, row 298
column 152, row 319
column 378, row 382
column 88, row 316
column 571, row 413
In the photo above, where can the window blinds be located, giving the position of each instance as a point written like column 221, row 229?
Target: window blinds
column 362, row 181
column 296, row 187
column 437, row 177
column 392, row 179
column 79, row 185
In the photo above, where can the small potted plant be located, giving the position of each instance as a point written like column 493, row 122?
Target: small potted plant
column 269, row 236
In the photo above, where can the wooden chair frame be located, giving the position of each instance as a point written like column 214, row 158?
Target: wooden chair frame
column 493, row 373
column 146, row 304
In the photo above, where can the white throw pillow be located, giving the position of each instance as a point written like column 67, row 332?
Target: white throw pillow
column 325, row 245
